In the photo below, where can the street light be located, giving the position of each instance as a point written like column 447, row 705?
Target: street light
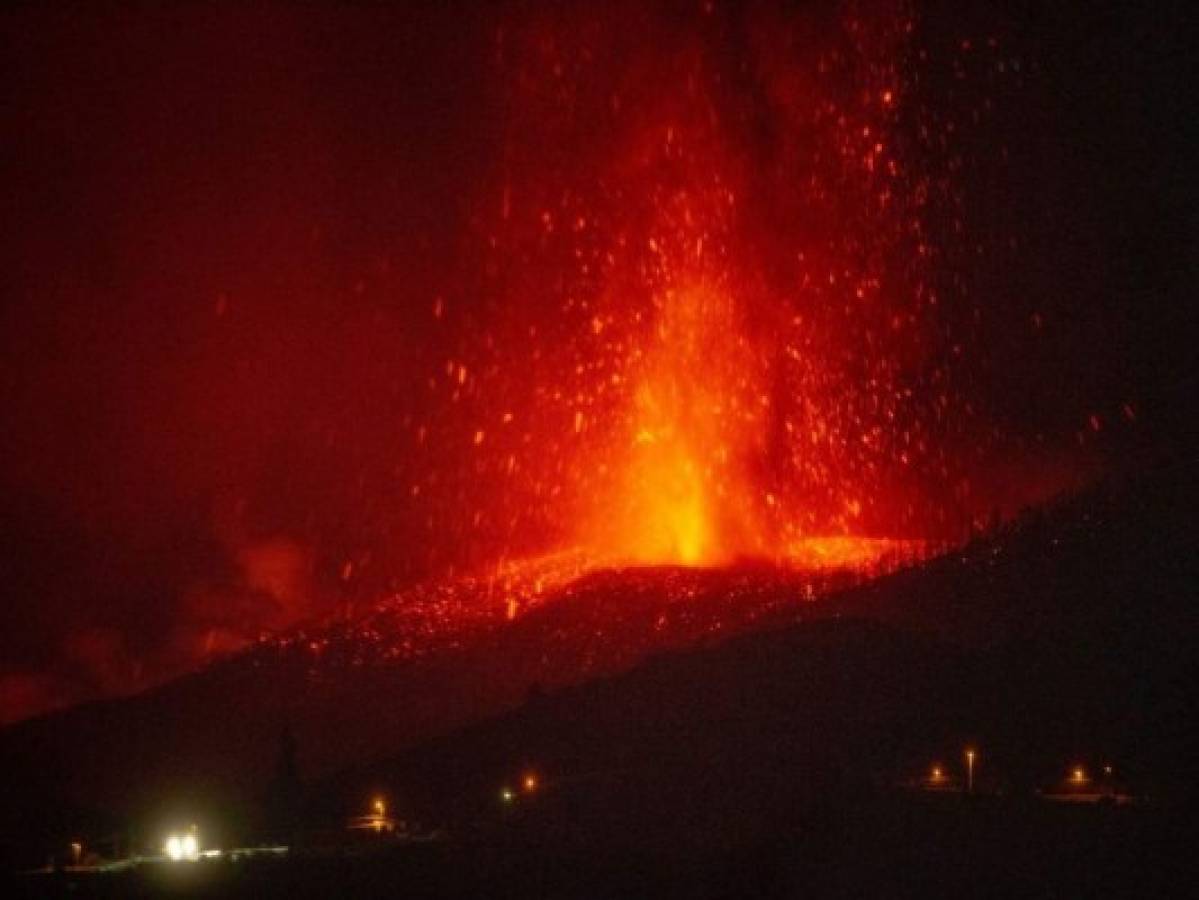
column 970, row 770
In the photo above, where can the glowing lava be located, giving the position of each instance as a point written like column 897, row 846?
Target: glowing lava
column 689, row 426
column 704, row 321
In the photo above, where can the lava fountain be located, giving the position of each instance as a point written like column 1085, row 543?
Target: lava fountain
column 706, row 322
column 682, row 476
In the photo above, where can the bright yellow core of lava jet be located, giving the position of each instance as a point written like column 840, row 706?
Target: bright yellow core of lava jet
column 692, row 415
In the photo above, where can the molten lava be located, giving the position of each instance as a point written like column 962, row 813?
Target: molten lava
column 702, row 318
column 688, row 429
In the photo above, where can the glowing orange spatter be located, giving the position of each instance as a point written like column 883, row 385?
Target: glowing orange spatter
column 711, row 320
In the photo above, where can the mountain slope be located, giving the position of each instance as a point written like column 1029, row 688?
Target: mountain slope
column 1068, row 633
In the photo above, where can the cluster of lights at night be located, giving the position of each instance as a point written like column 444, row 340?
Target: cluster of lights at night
column 529, row 784
column 939, row 778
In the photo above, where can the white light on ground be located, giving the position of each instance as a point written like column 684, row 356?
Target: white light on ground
column 182, row 846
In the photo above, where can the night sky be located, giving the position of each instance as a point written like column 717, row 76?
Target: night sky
column 242, row 242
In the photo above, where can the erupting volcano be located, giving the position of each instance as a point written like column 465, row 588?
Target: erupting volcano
column 572, row 288
column 699, row 322
column 596, row 448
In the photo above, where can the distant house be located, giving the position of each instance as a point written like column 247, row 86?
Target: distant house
column 934, row 781
column 1078, row 786
column 374, row 824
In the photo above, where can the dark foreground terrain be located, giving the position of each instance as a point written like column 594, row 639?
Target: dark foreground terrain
column 793, row 760
column 863, row 846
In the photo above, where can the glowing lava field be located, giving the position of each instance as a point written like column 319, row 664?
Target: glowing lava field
column 453, row 649
column 452, row 613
